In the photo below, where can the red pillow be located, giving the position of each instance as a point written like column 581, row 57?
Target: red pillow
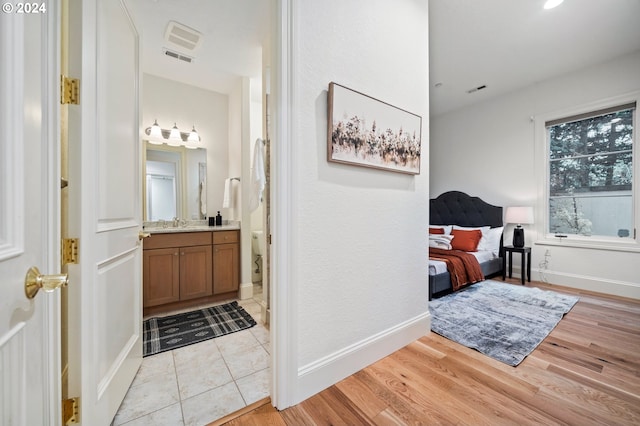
column 465, row 240
column 439, row 231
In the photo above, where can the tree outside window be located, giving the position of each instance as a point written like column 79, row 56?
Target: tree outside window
column 591, row 173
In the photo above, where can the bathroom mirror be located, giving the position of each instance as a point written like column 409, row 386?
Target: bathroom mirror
column 175, row 183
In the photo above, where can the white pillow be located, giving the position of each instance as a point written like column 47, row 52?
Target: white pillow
column 447, row 228
column 440, row 241
column 492, row 240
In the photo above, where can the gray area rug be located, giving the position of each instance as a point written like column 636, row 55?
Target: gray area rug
column 176, row 331
column 504, row 321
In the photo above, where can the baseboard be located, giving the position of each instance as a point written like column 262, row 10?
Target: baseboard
column 319, row 375
column 583, row 282
column 246, row 291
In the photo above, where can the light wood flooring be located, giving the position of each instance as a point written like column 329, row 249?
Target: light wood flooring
column 586, row 372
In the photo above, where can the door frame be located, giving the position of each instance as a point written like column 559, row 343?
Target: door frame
column 283, row 273
column 51, row 94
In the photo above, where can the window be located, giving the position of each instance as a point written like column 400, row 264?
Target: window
column 590, row 170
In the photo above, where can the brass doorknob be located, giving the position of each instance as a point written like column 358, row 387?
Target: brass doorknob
column 34, row 281
column 142, row 235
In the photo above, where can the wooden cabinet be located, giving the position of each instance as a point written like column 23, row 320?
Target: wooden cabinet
column 184, row 267
column 226, row 261
column 160, row 276
column 177, row 267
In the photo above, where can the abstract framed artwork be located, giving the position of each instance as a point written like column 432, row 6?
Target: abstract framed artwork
column 367, row 132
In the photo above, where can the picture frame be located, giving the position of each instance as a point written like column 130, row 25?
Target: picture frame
column 364, row 131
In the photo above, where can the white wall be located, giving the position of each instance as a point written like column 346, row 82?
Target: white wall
column 488, row 150
column 360, row 256
column 169, row 101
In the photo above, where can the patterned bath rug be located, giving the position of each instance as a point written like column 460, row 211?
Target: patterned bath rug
column 175, row 331
column 504, row 321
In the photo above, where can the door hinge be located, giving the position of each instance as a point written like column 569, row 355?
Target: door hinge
column 269, row 239
column 70, row 410
column 69, row 90
column 69, row 251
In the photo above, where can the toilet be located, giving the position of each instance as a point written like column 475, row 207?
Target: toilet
column 257, row 243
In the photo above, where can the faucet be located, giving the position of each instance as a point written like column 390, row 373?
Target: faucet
column 176, row 222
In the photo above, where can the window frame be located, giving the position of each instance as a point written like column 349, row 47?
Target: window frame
column 542, row 146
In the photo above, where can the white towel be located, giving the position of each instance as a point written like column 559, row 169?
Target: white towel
column 203, row 199
column 226, row 201
column 258, row 178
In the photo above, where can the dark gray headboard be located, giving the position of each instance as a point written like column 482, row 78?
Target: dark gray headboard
column 458, row 208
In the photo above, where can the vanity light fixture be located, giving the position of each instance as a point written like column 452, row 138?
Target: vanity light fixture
column 172, row 137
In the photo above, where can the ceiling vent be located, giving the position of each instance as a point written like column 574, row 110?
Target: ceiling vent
column 182, row 36
column 475, row 89
column 178, row 56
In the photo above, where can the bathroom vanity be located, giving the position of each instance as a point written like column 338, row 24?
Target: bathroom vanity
column 184, row 267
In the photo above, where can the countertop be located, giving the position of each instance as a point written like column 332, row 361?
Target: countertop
column 155, row 229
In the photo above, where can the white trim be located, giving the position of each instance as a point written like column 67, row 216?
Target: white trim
column 320, row 374
column 11, row 152
column 283, row 201
column 52, row 350
column 595, row 284
column 542, row 176
column 246, row 291
column 595, row 244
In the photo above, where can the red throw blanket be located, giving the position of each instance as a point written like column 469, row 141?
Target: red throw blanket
column 462, row 266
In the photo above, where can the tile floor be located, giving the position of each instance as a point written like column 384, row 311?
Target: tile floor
column 200, row 383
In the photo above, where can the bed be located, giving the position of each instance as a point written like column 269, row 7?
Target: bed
column 458, row 208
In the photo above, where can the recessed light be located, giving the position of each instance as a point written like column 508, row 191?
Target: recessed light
column 550, row 4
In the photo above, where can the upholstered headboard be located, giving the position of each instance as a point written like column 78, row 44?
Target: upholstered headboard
column 458, row 208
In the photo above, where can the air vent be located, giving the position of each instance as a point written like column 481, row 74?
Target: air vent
column 475, row 89
column 182, row 36
column 178, row 56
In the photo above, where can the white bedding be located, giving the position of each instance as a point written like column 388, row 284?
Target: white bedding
column 437, row 267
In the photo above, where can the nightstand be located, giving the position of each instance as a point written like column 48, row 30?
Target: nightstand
column 523, row 251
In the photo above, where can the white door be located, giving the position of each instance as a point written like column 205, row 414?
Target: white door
column 105, row 291
column 29, row 343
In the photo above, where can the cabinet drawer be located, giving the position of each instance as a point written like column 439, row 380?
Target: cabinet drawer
column 223, row 237
column 179, row 239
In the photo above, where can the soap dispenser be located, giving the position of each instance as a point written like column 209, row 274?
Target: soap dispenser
column 218, row 219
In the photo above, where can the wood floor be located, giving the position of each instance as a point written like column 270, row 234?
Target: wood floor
column 586, row 372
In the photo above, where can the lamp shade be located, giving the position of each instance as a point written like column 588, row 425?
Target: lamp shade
column 519, row 215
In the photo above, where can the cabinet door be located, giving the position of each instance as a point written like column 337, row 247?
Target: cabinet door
column 161, row 276
column 195, row 272
column 226, row 267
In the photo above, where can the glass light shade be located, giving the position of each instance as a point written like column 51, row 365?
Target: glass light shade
column 155, row 133
column 174, row 137
column 519, row 215
column 193, row 136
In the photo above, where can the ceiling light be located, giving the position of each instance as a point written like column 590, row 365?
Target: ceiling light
column 550, row 4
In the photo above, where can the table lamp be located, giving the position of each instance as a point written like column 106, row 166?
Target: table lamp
column 519, row 215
